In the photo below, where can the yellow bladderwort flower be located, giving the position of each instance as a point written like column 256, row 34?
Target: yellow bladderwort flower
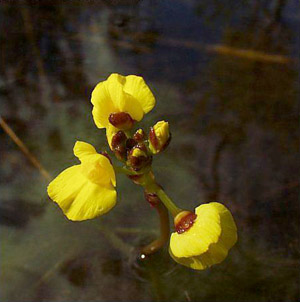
column 87, row 190
column 204, row 238
column 159, row 137
column 119, row 102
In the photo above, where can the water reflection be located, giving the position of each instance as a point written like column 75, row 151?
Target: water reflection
column 225, row 76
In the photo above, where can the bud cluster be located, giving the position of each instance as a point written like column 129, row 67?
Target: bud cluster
column 137, row 150
column 132, row 150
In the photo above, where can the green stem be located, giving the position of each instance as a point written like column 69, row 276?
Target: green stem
column 174, row 210
column 125, row 171
column 150, row 185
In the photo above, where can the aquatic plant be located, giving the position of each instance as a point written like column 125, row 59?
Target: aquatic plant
column 87, row 190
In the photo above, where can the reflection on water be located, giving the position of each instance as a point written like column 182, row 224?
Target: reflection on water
column 225, row 76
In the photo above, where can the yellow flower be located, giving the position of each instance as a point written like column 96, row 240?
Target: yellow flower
column 207, row 241
column 87, row 190
column 159, row 137
column 119, row 101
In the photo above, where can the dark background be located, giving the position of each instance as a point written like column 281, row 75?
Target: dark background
column 225, row 74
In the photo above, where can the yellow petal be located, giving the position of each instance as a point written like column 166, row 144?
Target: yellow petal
column 228, row 236
column 96, row 167
column 191, row 262
column 92, row 201
column 217, row 251
column 161, row 136
column 137, row 87
column 161, row 129
column 121, row 94
column 65, row 187
column 83, row 150
column 107, row 166
column 123, row 101
column 133, row 107
column 103, row 105
column 205, row 231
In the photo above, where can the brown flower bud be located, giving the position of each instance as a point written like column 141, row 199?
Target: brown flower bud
column 139, row 135
column 183, row 221
column 130, row 143
column 138, row 158
column 121, row 120
column 118, row 144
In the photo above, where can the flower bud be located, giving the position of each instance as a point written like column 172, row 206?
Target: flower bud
column 159, row 137
column 130, row 143
column 139, row 135
column 118, row 142
column 121, row 120
column 138, row 157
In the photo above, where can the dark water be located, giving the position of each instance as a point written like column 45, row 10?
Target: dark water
column 226, row 77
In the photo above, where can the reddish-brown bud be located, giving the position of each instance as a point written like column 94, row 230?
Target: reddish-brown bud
column 183, row 221
column 121, row 120
column 152, row 137
column 118, row 145
column 139, row 135
column 142, row 147
column 138, row 158
column 159, row 137
column 130, row 143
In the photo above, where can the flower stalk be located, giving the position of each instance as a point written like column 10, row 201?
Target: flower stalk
column 164, row 231
column 174, row 210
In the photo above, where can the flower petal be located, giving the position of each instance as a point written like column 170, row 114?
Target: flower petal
column 114, row 88
column 96, row 167
column 123, row 101
column 65, row 187
column 136, row 86
column 103, row 105
column 192, row 262
column 133, row 107
column 228, row 236
column 107, row 166
column 83, row 150
column 92, row 201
